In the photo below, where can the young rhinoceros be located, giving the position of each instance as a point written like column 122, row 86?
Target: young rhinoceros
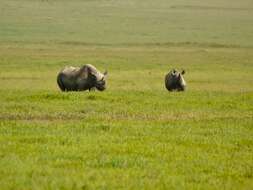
column 85, row 78
column 174, row 81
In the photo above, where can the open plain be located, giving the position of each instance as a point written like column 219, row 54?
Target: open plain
column 135, row 134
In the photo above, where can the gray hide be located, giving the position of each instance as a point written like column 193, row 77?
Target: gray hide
column 84, row 78
column 174, row 81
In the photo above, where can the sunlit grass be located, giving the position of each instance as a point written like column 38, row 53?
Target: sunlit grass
column 135, row 134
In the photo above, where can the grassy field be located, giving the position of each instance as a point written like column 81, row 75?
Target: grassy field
column 134, row 135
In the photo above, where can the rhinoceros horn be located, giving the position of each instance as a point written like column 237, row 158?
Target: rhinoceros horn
column 105, row 75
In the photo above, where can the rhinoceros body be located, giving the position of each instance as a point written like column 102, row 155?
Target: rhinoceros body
column 82, row 78
column 174, row 81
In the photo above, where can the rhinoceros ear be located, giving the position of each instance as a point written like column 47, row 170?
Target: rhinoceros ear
column 173, row 72
column 183, row 72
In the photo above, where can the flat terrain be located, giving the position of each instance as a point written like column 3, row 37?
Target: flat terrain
column 134, row 135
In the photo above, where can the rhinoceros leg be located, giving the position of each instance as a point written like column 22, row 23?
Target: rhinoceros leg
column 92, row 89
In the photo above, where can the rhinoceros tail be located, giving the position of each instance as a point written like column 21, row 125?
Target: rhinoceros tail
column 59, row 82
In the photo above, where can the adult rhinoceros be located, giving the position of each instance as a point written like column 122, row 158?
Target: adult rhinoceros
column 174, row 81
column 86, row 77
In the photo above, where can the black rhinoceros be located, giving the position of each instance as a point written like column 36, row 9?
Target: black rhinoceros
column 174, row 81
column 82, row 78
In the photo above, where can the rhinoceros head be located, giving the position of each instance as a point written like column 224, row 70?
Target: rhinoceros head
column 101, row 84
column 174, row 80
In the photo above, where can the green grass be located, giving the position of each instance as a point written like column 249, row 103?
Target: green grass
column 113, row 22
column 134, row 135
